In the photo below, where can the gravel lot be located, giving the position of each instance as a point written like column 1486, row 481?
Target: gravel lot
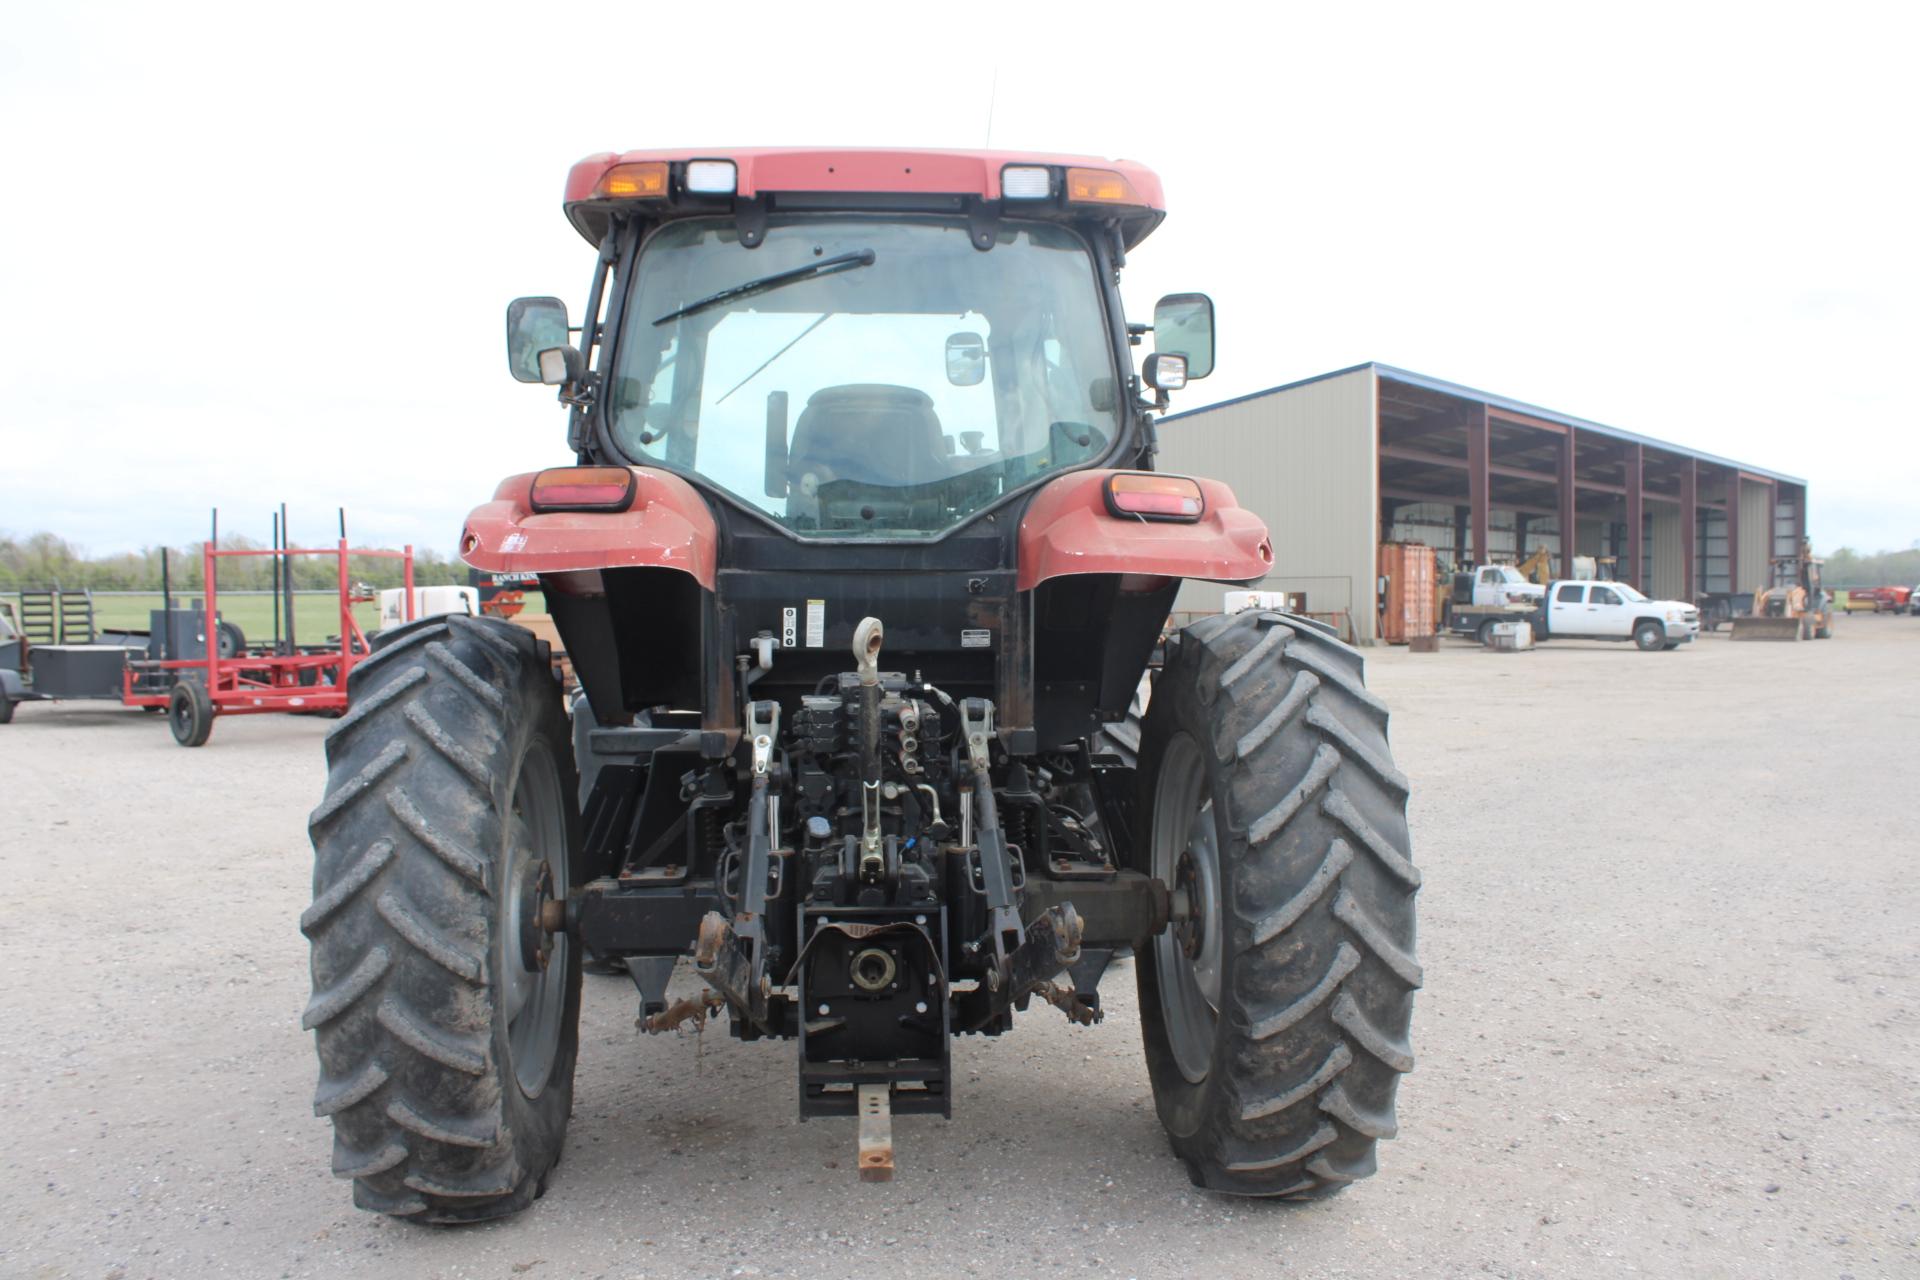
column 1670, row 1027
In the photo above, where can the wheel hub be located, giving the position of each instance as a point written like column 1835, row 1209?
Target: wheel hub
column 535, row 912
column 1189, row 920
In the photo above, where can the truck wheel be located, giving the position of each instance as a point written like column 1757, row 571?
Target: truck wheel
column 1649, row 636
column 447, row 1021
column 1484, row 635
column 6, row 709
column 190, row 713
column 1275, row 1007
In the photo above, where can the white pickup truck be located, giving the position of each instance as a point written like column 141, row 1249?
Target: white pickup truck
column 1583, row 610
column 1615, row 611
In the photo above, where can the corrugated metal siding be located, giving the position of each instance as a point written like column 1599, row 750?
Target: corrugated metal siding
column 1712, row 571
column 1305, row 460
column 1756, row 535
column 1784, row 543
column 1669, row 554
column 1593, row 538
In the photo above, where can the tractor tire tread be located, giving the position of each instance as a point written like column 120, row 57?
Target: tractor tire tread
column 411, row 1069
column 1318, row 888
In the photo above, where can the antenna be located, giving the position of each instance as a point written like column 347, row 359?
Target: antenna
column 993, row 97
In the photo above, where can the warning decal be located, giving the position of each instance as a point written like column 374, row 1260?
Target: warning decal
column 816, row 623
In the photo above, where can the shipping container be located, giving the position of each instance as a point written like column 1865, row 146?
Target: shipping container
column 1406, row 591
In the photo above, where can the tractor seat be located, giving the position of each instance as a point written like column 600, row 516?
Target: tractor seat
column 868, row 433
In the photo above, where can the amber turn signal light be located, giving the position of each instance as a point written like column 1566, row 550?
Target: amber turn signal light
column 1147, row 495
column 646, row 181
column 582, row 489
column 1100, row 186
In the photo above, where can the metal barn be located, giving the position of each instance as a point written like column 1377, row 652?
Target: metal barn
column 1339, row 463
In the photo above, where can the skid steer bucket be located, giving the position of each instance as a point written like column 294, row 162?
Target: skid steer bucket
column 1752, row 628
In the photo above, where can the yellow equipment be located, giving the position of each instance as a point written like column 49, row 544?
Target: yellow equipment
column 1537, row 567
column 1794, row 607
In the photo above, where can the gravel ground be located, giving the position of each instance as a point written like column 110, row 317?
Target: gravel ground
column 1670, row 1026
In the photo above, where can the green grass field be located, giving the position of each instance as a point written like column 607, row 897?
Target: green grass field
column 316, row 614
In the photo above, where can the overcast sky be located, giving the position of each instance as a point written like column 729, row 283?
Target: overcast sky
column 261, row 253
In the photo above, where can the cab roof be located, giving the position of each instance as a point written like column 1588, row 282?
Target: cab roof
column 953, row 179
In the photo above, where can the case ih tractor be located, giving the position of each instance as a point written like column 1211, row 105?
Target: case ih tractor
column 861, row 567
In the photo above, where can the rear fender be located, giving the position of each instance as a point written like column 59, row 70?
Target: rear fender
column 1068, row 530
column 668, row 527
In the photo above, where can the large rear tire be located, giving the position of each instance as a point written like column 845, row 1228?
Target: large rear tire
column 1276, row 1006
column 446, row 1044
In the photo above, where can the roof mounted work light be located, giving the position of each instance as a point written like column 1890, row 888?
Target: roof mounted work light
column 712, row 177
column 1026, row 182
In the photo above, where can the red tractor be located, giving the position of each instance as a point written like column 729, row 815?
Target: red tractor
column 862, row 566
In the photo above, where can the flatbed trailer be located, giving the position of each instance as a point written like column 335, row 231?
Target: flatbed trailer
column 1474, row 621
column 311, row 681
column 227, row 678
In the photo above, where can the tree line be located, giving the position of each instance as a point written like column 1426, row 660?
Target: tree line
column 1849, row 568
column 44, row 560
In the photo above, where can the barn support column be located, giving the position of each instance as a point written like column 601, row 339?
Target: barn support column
column 1569, row 515
column 1733, row 531
column 1773, row 525
column 1690, row 525
column 1636, row 508
column 1478, row 445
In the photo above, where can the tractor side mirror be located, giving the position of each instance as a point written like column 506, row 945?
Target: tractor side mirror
column 534, row 325
column 1183, row 326
column 775, row 481
column 966, row 359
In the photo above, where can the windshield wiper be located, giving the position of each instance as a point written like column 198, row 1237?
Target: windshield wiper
column 825, row 266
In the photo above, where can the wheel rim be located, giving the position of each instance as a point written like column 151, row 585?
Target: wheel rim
column 1188, row 954
column 181, row 714
column 535, row 984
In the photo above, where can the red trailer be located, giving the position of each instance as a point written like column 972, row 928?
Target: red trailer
column 1878, row 599
column 194, row 690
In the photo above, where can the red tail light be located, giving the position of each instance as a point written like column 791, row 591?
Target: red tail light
column 1145, row 495
column 582, row 489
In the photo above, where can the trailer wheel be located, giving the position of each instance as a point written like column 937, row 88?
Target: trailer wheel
column 1276, row 1005
column 446, row 1018
column 1649, row 636
column 190, row 713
